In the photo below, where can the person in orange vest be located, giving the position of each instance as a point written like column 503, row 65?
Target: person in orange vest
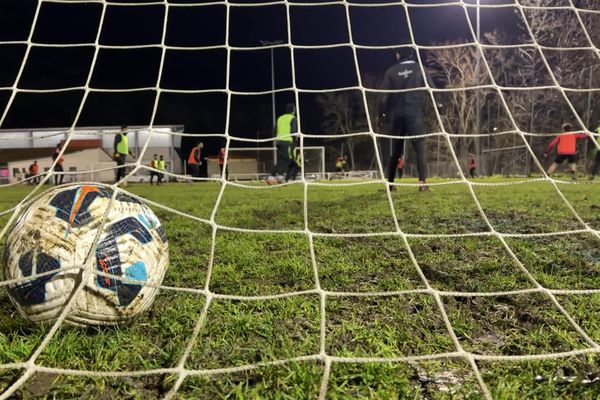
column 194, row 160
column 566, row 149
column 472, row 166
column 33, row 173
column 222, row 163
column 400, row 167
column 58, row 168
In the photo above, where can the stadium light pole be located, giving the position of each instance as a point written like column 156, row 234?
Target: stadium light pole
column 274, row 114
column 478, row 67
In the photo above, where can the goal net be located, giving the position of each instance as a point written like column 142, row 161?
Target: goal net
column 479, row 288
column 257, row 163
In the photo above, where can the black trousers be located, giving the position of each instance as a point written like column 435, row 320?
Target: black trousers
column 120, row 169
column 58, row 177
column 596, row 166
column 221, row 168
column 203, row 169
column 472, row 172
column 292, row 172
column 193, row 170
column 152, row 175
column 409, row 123
column 283, row 158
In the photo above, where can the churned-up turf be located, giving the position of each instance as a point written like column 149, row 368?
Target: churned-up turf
column 375, row 308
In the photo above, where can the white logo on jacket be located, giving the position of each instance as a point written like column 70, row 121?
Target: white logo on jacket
column 405, row 73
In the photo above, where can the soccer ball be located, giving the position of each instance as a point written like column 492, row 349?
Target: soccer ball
column 58, row 232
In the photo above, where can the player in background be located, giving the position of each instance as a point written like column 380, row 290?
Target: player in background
column 596, row 166
column 19, row 174
column 162, row 167
column 341, row 166
column 285, row 127
column 33, row 173
column 295, row 160
column 472, row 166
column 202, row 163
column 405, row 110
column 154, row 164
column 222, row 163
column 193, row 160
column 400, row 167
column 58, row 168
column 121, row 151
column 566, row 149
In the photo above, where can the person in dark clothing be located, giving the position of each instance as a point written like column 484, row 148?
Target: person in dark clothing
column 58, row 168
column 472, row 166
column 404, row 111
column 286, row 126
column 121, row 151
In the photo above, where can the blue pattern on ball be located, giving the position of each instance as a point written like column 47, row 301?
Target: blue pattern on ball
column 34, row 292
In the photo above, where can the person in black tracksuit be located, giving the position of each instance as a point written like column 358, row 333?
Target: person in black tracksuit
column 405, row 111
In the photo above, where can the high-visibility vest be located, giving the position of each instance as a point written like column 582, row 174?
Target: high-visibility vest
column 154, row 163
column 161, row 165
column 123, row 146
column 284, row 127
column 192, row 157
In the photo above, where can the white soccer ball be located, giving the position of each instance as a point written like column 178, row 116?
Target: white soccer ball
column 58, row 231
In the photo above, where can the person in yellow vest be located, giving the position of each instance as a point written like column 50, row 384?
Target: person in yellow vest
column 162, row 167
column 121, row 151
column 154, row 164
column 596, row 166
column 285, row 127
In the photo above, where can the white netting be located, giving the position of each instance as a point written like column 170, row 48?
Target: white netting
column 31, row 366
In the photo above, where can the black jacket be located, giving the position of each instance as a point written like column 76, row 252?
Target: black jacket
column 405, row 75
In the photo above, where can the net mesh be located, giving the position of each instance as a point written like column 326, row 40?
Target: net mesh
column 458, row 352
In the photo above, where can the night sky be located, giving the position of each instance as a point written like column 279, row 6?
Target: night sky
column 204, row 69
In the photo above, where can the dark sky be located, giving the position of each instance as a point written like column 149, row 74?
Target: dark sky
column 203, row 69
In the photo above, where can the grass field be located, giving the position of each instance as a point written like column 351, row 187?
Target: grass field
column 379, row 324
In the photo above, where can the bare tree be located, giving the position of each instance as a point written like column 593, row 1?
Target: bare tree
column 344, row 112
column 457, row 68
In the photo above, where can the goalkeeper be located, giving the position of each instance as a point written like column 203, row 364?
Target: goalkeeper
column 121, row 151
column 566, row 149
column 405, row 111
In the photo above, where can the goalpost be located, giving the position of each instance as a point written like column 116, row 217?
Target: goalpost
column 212, row 308
column 246, row 163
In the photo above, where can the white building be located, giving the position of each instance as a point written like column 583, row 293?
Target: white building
column 90, row 150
